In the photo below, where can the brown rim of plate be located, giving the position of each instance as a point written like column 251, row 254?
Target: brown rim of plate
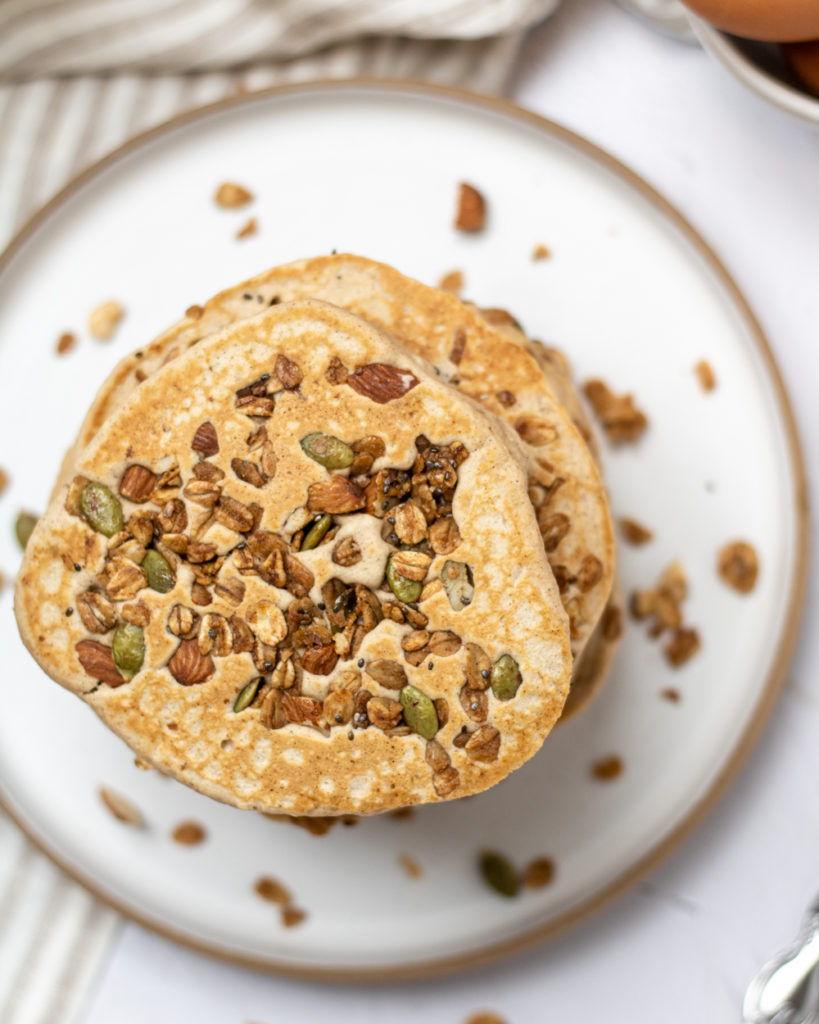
column 787, row 640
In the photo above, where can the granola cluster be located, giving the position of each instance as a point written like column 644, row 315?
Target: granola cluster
column 662, row 605
column 157, row 528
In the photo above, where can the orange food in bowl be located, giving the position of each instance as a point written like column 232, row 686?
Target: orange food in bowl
column 803, row 60
column 775, row 21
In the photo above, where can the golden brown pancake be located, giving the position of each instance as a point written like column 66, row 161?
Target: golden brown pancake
column 297, row 571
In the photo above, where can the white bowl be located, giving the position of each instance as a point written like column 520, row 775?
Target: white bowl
column 762, row 68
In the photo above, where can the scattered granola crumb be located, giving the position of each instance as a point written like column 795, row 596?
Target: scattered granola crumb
column 634, row 532
column 738, row 566
column 541, row 252
column 142, row 765
column 471, row 212
column 104, row 320
column 66, row 342
column 484, row 1017
column 403, row 813
column 607, row 768
column 684, row 644
column 619, row 417
column 671, row 694
column 410, row 865
column 662, row 603
column 705, row 375
column 188, row 833
column 250, row 227
column 4, row 480
column 272, row 890
column 229, row 195
column 122, row 808
column 540, row 872
column 194, row 312
column 452, row 282
column 499, row 873
column 291, row 916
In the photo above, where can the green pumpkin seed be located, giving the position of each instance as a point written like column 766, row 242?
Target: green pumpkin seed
column 316, row 533
column 128, row 648
column 101, row 509
column 23, row 527
column 327, row 451
column 158, row 572
column 419, row 712
column 498, row 873
column 405, row 590
column 247, row 694
column 505, row 677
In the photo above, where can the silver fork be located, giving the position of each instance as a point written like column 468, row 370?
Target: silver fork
column 786, row 990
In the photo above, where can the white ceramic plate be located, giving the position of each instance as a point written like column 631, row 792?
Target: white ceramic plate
column 630, row 293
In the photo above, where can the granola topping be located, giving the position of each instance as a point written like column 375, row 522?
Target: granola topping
column 301, row 627
column 738, row 566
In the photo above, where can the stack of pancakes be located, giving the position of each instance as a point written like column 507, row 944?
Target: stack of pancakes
column 335, row 543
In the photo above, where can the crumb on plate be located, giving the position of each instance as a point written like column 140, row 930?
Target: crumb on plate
column 619, row 417
column 65, row 343
column 738, row 566
column 607, row 768
column 250, row 227
column 229, row 195
column 121, row 807
column 452, row 281
column 104, row 320
column 705, row 375
column 188, row 833
column 471, row 210
column 634, row 532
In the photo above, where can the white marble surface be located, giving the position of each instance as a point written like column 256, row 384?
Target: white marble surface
column 682, row 945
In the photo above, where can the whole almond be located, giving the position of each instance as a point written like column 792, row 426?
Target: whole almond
column 189, row 666
column 336, row 496
column 381, row 382
column 98, row 662
column 137, row 483
column 301, row 709
column 205, row 440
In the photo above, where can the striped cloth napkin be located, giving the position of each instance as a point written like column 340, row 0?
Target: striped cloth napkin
column 78, row 78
